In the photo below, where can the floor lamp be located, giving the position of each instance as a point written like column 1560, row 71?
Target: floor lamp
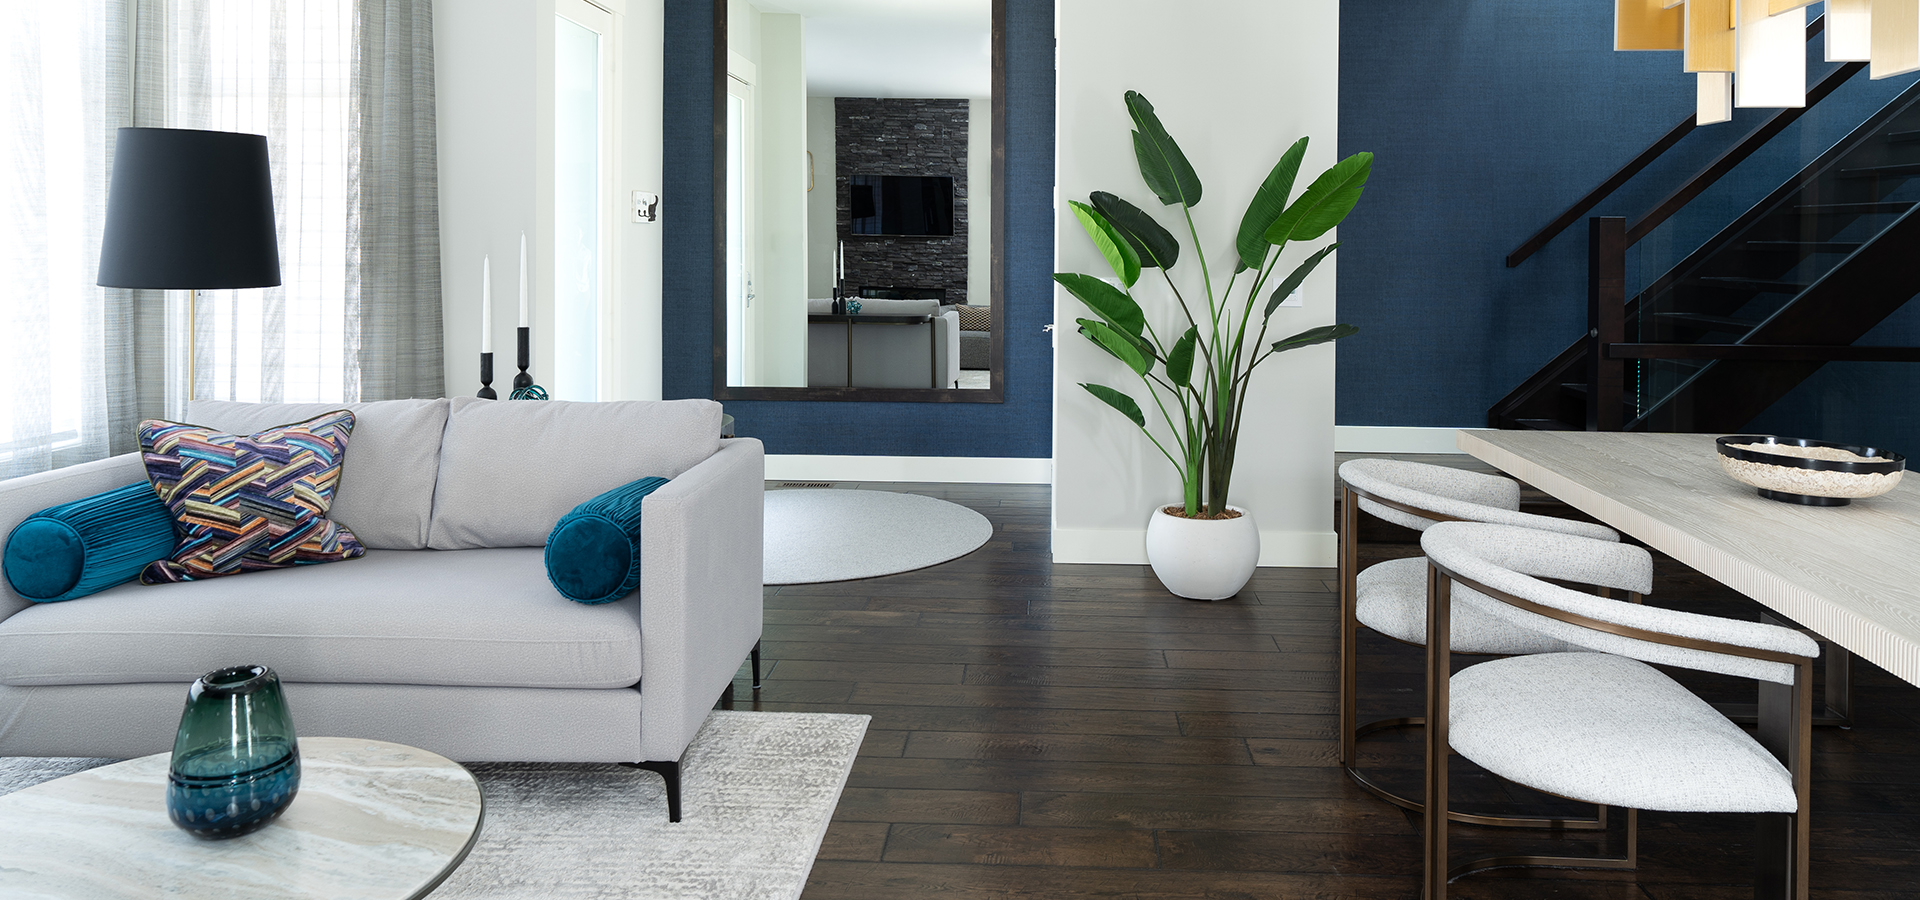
column 189, row 210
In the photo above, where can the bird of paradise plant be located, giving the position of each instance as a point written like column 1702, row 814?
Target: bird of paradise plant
column 1205, row 373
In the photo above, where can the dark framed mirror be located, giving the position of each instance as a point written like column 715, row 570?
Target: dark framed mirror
column 858, row 200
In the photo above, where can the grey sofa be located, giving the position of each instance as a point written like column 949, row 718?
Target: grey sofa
column 884, row 355
column 447, row 634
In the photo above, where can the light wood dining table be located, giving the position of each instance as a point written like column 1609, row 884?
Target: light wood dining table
column 1851, row 574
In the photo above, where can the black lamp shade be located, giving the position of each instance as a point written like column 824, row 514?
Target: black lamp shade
column 189, row 210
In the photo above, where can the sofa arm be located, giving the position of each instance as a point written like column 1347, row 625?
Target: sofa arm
column 22, row 497
column 700, row 591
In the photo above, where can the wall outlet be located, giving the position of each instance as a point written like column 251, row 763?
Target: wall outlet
column 646, row 207
column 1295, row 299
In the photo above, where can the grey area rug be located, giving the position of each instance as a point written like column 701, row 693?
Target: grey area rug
column 839, row 535
column 757, row 792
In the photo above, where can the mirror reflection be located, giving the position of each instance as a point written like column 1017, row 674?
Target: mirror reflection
column 859, row 172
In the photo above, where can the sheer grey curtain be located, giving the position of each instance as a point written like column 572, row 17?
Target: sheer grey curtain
column 343, row 90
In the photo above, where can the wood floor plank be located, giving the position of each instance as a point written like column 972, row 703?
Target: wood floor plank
column 1045, row 696
column 1163, row 811
column 1076, row 747
column 934, row 806
column 1020, row 846
column 1185, row 777
column 856, row 841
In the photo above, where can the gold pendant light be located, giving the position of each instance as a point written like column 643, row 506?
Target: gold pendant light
column 1749, row 53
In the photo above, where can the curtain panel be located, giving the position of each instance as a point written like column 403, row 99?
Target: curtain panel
column 343, row 90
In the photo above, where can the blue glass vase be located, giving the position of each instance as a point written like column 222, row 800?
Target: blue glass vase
column 236, row 765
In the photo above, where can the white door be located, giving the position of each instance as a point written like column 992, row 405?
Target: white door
column 582, row 201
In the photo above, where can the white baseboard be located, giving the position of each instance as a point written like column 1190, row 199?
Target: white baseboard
column 1393, row 439
column 956, row 469
column 1128, row 546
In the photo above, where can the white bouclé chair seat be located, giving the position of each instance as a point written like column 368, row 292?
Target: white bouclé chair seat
column 1391, row 598
column 1613, row 730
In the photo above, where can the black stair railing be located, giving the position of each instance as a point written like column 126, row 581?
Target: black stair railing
column 1605, row 352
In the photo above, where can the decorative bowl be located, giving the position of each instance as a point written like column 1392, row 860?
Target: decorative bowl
column 1810, row 473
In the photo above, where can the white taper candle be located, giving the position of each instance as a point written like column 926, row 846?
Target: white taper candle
column 523, row 279
column 486, row 304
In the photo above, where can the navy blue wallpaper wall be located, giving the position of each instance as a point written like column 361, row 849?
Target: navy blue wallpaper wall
column 1489, row 117
column 1020, row 427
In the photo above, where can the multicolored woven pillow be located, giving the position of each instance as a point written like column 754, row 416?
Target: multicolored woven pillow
column 242, row 503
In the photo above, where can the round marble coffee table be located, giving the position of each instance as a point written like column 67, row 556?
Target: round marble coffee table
column 373, row 820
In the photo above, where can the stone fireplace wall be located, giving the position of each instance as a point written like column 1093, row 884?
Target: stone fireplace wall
column 879, row 136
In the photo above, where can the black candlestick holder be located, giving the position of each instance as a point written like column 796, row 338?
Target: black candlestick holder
column 523, row 380
column 523, row 386
column 486, row 378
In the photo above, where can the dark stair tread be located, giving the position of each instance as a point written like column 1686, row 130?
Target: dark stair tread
column 1762, row 285
column 1547, row 425
column 1808, row 246
column 1830, row 209
column 1715, row 323
column 1903, row 137
column 1877, row 171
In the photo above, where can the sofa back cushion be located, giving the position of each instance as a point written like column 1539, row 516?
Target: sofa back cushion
column 509, row 469
column 385, row 495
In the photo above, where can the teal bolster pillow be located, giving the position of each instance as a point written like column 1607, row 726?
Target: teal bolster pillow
column 89, row 545
column 593, row 554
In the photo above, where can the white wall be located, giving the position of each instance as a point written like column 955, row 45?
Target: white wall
column 493, row 74
column 780, row 275
column 979, row 202
column 823, row 230
column 1235, row 92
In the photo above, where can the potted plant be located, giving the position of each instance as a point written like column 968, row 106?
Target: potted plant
column 1198, row 380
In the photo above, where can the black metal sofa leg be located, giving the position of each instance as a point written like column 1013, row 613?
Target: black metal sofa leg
column 755, row 656
column 670, row 773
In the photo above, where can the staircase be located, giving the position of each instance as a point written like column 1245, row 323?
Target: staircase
column 1756, row 310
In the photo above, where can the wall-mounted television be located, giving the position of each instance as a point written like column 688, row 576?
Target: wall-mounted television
column 904, row 205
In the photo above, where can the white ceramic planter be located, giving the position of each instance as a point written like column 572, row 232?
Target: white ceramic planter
column 1203, row 559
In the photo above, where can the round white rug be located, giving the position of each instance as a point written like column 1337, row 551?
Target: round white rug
column 839, row 535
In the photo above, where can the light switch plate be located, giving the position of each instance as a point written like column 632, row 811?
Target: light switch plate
column 1295, row 299
column 646, row 207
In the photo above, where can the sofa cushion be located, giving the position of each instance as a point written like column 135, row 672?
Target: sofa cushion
column 509, row 469
column 476, row 618
column 386, row 489
column 243, row 503
column 91, row 544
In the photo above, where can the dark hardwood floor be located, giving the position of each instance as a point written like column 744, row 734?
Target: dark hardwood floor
column 1045, row 730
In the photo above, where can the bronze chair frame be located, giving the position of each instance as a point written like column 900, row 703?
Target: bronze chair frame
column 1786, row 731
column 1351, row 730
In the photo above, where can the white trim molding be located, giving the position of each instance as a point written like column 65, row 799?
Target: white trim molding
column 1393, row 439
column 949, row 469
column 1128, row 546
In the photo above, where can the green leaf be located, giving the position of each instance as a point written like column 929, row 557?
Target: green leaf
column 1115, row 343
column 1164, row 167
column 1326, row 201
column 1312, row 336
column 1180, row 358
column 1106, row 301
column 1154, row 245
column 1118, row 401
column 1299, row 275
column 1268, row 203
column 1119, row 253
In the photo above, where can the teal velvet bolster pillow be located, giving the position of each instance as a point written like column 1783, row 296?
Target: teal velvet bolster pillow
column 593, row 554
column 84, row 547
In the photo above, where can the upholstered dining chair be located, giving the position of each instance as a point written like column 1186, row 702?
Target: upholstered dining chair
column 1391, row 597
column 1599, row 724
